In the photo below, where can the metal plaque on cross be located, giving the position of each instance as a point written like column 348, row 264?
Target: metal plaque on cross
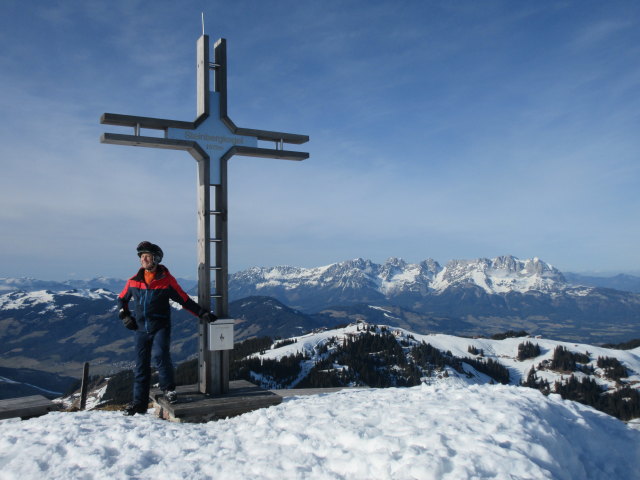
column 214, row 137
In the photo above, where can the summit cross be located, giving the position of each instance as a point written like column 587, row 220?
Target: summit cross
column 212, row 139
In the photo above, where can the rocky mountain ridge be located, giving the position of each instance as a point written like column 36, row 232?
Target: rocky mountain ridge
column 57, row 330
column 399, row 282
column 465, row 297
column 498, row 275
column 30, row 284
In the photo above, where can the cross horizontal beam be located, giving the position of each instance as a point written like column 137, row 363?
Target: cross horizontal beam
column 144, row 122
column 162, row 124
column 265, row 153
column 155, row 142
column 268, row 136
column 195, row 150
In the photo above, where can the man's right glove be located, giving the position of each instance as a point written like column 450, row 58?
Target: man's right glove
column 128, row 320
column 208, row 317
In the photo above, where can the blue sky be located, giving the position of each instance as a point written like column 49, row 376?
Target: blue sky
column 439, row 129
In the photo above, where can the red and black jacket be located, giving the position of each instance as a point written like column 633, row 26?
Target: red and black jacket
column 152, row 308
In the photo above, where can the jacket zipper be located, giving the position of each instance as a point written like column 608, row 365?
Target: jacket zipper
column 146, row 318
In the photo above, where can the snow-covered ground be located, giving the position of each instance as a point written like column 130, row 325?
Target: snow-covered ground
column 440, row 431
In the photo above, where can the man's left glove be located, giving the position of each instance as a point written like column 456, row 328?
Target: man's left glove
column 208, row 317
column 128, row 320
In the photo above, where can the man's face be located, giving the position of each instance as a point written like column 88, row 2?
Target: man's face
column 146, row 260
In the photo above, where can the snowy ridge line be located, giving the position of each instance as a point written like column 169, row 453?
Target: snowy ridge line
column 503, row 351
column 309, row 350
column 498, row 275
column 17, row 300
column 32, row 284
column 28, row 284
column 8, row 380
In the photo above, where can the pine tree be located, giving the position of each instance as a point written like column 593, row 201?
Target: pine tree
column 528, row 350
column 613, row 369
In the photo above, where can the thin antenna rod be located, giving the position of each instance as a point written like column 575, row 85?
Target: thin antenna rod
column 202, row 23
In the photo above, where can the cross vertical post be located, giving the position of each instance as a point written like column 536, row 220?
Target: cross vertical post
column 212, row 139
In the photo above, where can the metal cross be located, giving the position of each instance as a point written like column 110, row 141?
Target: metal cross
column 212, row 139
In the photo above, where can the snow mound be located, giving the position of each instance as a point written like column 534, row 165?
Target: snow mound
column 424, row 432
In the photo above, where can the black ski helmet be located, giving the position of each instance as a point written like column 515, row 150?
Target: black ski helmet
column 153, row 249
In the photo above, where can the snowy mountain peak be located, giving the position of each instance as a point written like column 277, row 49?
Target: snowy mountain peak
column 395, row 262
column 501, row 275
column 51, row 300
column 498, row 275
column 28, row 284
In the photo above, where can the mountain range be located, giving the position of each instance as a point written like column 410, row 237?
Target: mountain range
column 624, row 282
column 360, row 280
column 52, row 327
column 29, row 284
column 498, row 275
column 464, row 297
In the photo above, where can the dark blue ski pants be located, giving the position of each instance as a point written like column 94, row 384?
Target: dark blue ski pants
column 150, row 345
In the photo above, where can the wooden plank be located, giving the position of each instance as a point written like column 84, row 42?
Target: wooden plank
column 223, row 408
column 243, row 397
column 295, row 392
column 25, row 407
column 194, row 407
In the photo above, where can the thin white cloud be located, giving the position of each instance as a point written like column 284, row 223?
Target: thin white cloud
column 598, row 32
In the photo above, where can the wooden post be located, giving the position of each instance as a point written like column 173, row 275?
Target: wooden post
column 85, row 386
column 220, row 358
column 202, row 77
column 204, row 272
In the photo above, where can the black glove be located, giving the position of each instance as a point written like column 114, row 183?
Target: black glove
column 208, row 317
column 128, row 320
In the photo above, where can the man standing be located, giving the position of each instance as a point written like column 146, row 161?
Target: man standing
column 151, row 289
